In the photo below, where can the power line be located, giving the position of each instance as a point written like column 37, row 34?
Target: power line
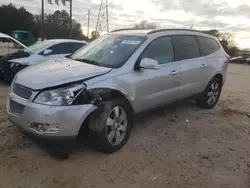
column 103, row 13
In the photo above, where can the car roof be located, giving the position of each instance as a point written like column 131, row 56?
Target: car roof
column 66, row 40
column 148, row 32
column 132, row 31
column 4, row 35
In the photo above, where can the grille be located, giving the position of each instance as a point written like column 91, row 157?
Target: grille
column 22, row 91
column 15, row 107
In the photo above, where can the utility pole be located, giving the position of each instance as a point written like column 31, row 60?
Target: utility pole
column 102, row 13
column 107, row 12
column 98, row 19
column 42, row 26
column 88, row 23
column 70, row 19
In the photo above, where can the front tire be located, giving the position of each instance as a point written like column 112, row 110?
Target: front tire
column 110, row 125
column 211, row 95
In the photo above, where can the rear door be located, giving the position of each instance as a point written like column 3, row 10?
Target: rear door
column 189, row 54
column 215, row 58
column 157, row 87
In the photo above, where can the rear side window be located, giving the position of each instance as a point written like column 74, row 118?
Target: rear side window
column 161, row 50
column 186, row 47
column 208, row 45
column 77, row 46
column 61, row 48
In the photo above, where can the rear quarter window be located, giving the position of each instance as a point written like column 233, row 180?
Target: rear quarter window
column 208, row 45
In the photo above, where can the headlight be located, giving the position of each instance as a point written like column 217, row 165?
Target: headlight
column 60, row 96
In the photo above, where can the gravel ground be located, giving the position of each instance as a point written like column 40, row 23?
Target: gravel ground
column 178, row 146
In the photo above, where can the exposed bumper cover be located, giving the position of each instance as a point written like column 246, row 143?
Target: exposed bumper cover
column 68, row 118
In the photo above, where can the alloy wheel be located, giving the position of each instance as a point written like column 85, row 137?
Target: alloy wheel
column 213, row 93
column 116, row 125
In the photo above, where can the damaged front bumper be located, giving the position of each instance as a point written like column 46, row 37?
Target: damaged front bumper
column 49, row 123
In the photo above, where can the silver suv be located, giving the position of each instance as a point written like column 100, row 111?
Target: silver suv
column 101, row 86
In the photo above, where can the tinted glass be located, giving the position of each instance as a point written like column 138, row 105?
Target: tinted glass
column 186, row 47
column 161, row 50
column 40, row 45
column 77, row 46
column 209, row 45
column 25, row 35
column 62, row 48
column 110, row 50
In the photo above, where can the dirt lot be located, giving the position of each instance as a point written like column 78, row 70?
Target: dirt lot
column 211, row 149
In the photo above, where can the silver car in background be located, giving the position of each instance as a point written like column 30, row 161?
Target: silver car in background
column 101, row 86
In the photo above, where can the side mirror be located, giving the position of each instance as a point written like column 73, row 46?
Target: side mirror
column 47, row 51
column 147, row 63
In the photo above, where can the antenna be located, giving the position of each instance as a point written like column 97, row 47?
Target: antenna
column 191, row 27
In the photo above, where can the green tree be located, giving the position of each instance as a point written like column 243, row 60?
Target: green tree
column 16, row 19
column 94, row 35
column 145, row 25
column 57, row 26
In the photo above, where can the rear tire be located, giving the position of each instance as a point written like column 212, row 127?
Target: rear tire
column 211, row 95
column 110, row 125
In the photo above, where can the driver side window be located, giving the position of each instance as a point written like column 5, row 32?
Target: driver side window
column 61, row 48
column 160, row 49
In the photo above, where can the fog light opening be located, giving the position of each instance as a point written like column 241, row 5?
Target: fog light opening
column 45, row 128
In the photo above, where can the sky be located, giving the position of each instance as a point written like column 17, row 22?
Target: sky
column 226, row 15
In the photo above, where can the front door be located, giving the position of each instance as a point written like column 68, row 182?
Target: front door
column 157, row 87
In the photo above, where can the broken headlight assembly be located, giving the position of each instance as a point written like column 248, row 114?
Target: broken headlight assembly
column 60, row 96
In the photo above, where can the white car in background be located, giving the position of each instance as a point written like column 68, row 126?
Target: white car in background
column 37, row 53
column 50, row 49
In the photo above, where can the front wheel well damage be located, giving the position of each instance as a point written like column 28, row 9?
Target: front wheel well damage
column 100, row 96
column 219, row 76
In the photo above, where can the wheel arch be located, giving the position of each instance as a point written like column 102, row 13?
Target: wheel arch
column 219, row 76
column 104, row 94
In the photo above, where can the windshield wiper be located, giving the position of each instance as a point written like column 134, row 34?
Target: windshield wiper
column 88, row 61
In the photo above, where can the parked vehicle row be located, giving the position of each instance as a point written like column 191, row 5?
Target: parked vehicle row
column 15, row 56
column 121, row 73
column 240, row 60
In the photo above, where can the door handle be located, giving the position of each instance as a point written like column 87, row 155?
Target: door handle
column 174, row 72
column 203, row 65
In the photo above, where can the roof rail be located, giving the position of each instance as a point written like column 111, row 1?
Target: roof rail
column 158, row 30
column 126, row 29
column 162, row 30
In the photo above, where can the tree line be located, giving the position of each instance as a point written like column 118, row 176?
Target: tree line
column 56, row 25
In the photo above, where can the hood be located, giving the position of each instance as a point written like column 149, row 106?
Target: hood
column 23, row 60
column 57, row 72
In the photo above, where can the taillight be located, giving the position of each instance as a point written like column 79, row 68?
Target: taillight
column 228, row 57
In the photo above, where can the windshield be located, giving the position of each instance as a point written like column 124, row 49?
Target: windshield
column 37, row 47
column 110, row 50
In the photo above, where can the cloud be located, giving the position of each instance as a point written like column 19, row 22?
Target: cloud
column 226, row 15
